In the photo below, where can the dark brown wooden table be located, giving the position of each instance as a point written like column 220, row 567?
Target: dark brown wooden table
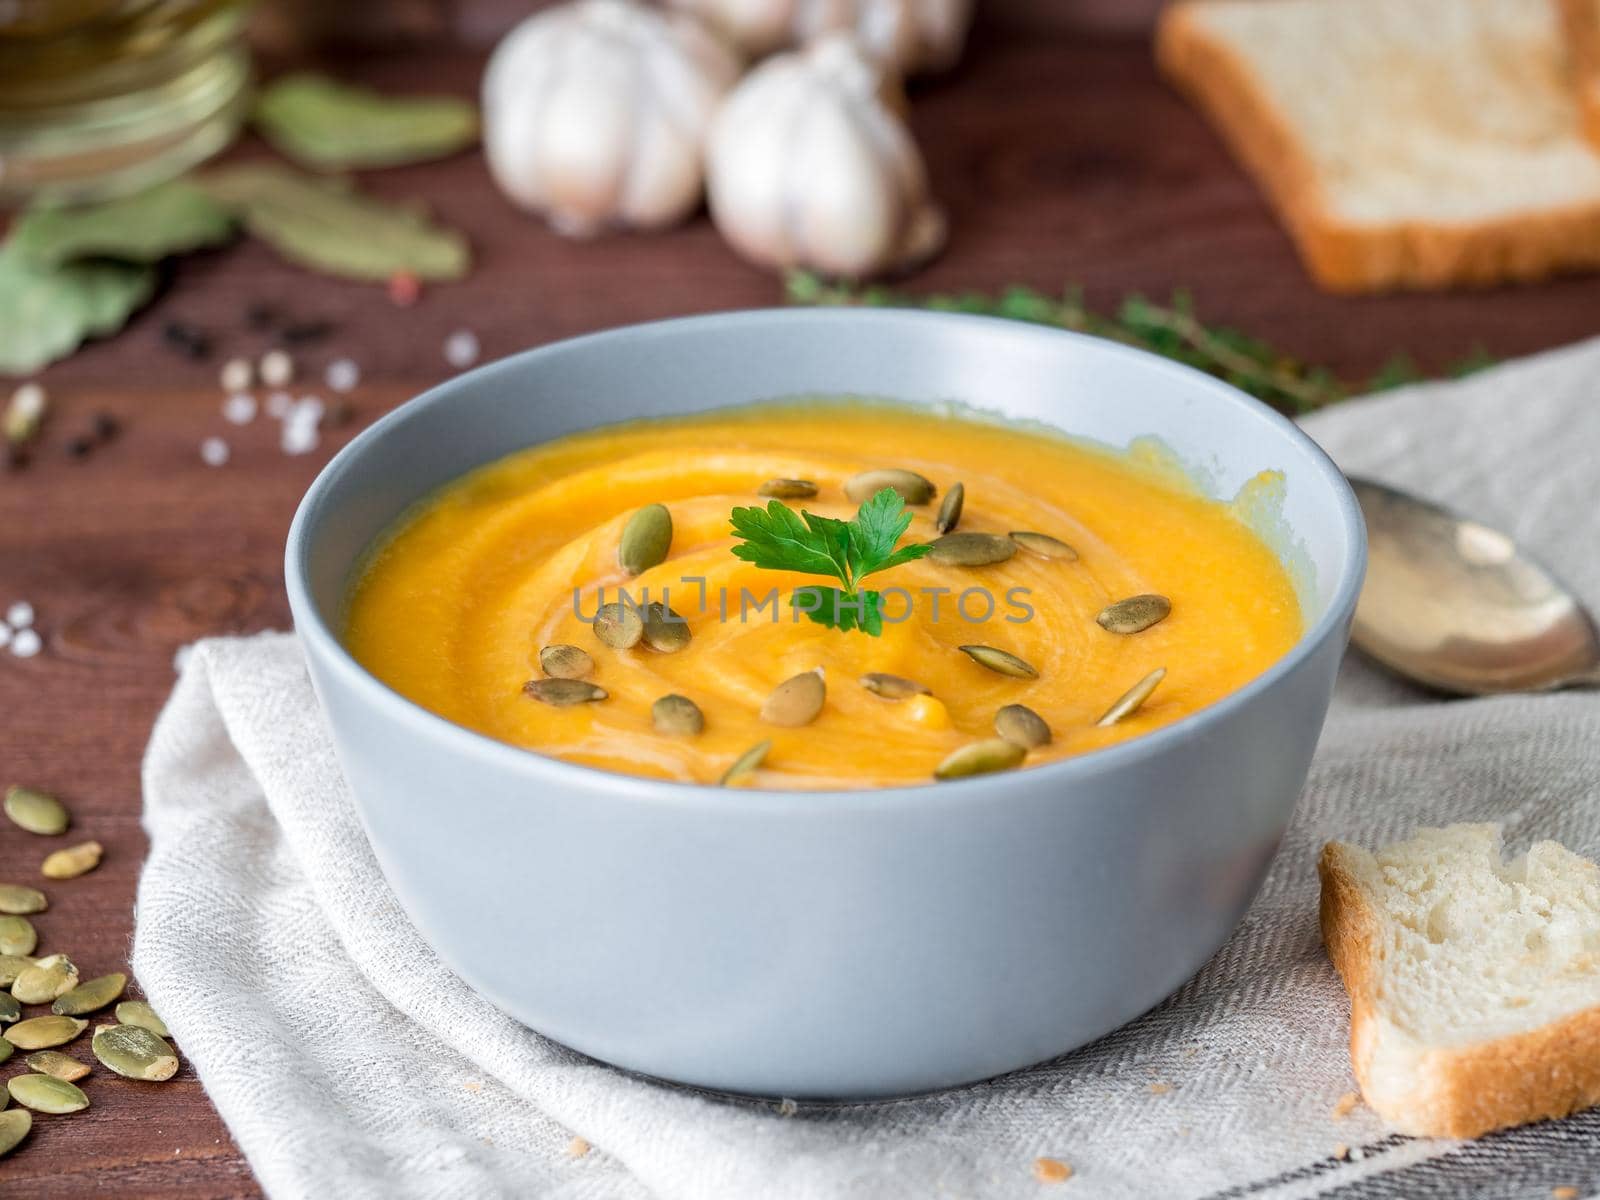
column 1062, row 160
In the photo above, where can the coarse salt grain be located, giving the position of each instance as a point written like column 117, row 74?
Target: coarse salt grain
column 239, row 408
column 277, row 368
column 213, row 452
column 299, row 437
column 342, row 375
column 309, row 409
column 28, row 401
column 461, row 348
column 237, row 375
column 27, row 643
column 279, row 404
column 20, row 615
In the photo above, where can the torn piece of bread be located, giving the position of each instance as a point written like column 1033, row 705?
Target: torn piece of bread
column 1474, row 982
column 1414, row 144
column 1583, row 35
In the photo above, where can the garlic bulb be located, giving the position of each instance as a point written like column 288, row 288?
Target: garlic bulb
column 910, row 35
column 808, row 166
column 595, row 113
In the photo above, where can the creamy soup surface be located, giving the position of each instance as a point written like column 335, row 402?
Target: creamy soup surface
column 456, row 602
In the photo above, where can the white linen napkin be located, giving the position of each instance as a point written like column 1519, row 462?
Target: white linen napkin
column 348, row 1062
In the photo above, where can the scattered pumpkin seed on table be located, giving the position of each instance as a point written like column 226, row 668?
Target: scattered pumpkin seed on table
column 787, row 489
column 134, row 1052
column 980, row 758
column 619, row 624
column 14, row 1126
column 72, row 862
column 563, row 693
column 1020, row 724
column 1043, row 545
column 19, row 899
column 912, row 488
column 18, row 938
column 1135, row 614
column 746, row 763
column 1002, row 662
column 139, row 1012
column 971, row 549
column 1128, row 703
column 62, row 1066
column 677, row 715
column 90, row 996
column 47, row 1094
column 646, row 539
column 36, row 811
column 893, row 687
column 796, row 701
column 664, row 630
column 41, row 1033
column 950, row 509
column 49, row 977
column 563, row 661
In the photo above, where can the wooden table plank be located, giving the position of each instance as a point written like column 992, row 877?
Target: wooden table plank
column 1061, row 159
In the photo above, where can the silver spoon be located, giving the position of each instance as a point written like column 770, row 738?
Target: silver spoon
column 1460, row 607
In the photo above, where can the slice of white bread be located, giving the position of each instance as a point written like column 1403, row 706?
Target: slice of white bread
column 1405, row 143
column 1474, row 982
column 1583, row 34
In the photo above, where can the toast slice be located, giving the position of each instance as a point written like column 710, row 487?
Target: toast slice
column 1474, row 982
column 1423, row 144
column 1583, row 35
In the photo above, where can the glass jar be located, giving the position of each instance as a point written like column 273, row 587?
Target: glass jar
column 100, row 97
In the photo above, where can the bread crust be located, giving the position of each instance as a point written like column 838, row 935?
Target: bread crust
column 1342, row 257
column 1459, row 1091
column 1582, row 20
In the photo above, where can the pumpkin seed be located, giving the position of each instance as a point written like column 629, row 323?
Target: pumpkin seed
column 11, row 965
column 746, row 763
column 1043, row 545
column 90, row 996
column 893, row 687
column 134, row 1052
column 950, row 510
column 62, row 1066
column 1135, row 614
column 562, row 661
column 664, row 630
column 40, row 1033
column 137, row 1012
column 47, row 1094
column 619, row 624
column 911, row 487
column 14, row 1126
column 564, row 692
column 1128, row 703
column 15, row 898
column 36, row 811
column 1002, row 661
column 788, row 489
column 980, row 758
column 971, row 549
column 796, row 701
column 677, row 715
column 646, row 538
column 52, row 976
column 17, row 937
column 72, row 862
column 1020, row 724
column 10, row 1008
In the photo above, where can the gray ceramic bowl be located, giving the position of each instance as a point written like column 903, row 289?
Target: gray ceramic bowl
column 832, row 944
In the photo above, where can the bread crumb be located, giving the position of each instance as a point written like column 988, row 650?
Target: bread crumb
column 577, row 1147
column 1346, row 1104
column 1563, row 1193
column 1341, row 1151
column 1051, row 1170
column 1160, row 1089
column 473, row 1085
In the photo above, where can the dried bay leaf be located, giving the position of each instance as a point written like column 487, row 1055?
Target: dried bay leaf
column 326, row 225
column 170, row 219
column 327, row 125
column 47, row 312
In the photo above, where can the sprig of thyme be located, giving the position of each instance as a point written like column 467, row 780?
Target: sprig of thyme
column 1172, row 330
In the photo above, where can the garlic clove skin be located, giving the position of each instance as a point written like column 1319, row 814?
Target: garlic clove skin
column 595, row 114
column 909, row 35
column 809, row 167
